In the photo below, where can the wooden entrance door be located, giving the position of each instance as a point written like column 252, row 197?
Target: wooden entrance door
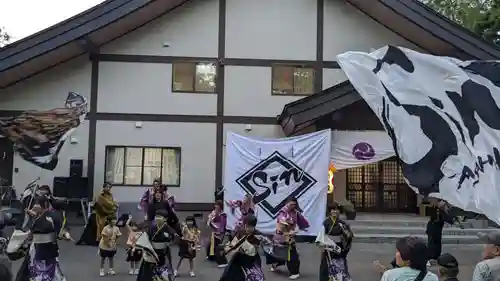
column 380, row 187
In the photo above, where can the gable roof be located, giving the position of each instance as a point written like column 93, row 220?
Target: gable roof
column 78, row 35
column 411, row 20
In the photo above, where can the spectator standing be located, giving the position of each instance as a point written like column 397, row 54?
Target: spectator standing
column 489, row 268
column 447, row 267
column 411, row 259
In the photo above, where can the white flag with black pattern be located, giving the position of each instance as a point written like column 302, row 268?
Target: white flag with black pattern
column 443, row 116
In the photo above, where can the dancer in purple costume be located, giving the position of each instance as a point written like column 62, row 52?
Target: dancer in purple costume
column 217, row 222
column 245, row 207
column 289, row 221
column 148, row 196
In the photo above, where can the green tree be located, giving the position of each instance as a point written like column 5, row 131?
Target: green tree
column 479, row 16
column 4, row 37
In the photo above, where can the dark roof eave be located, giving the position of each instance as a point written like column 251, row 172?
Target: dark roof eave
column 60, row 28
column 74, row 34
column 314, row 107
column 443, row 28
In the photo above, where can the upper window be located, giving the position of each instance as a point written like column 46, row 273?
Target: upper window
column 141, row 165
column 292, row 80
column 192, row 77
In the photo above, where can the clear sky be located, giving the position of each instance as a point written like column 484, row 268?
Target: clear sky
column 21, row 18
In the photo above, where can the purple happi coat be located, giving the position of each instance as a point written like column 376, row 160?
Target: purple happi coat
column 148, row 197
column 293, row 218
column 245, row 212
column 217, row 224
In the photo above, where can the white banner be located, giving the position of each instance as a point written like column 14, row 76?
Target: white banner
column 357, row 148
column 442, row 115
column 279, row 170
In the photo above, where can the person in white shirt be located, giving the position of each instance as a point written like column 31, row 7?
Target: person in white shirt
column 411, row 259
column 489, row 268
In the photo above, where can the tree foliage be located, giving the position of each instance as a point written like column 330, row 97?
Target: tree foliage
column 479, row 16
column 4, row 37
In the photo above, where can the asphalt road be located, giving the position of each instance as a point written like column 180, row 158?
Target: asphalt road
column 80, row 263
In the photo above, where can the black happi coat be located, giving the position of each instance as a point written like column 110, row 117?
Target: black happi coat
column 333, row 263
column 434, row 231
column 438, row 218
column 162, row 234
column 339, row 228
column 49, row 222
column 172, row 219
column 243, row 267
column 148, row 270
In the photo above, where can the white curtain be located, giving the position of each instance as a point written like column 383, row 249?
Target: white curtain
column 171, row 167
column 135, row 171
column 152, row 164
column 114, row 165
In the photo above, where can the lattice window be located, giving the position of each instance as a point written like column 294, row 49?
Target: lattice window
column 371, row 197
column 390, row 171
column 355, row 194
column 371, row 173
column 355, row 175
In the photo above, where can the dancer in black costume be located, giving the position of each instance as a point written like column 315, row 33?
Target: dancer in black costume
column 159, row 203
column 41, row 254
column 157, row 262
column 439, row 215
column 334, row 255
column 245, row 264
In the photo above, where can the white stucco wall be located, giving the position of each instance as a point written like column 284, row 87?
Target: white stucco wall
column 348, row 29
column 147, row 88
column 271, row 29
column 190, row 30
column 197, row 143
column 332, row 77
column 251, row 85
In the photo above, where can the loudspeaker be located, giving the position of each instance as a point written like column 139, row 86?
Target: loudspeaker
column 77, row 187
column 60, row 187
column 71, row 188
column 75, row 168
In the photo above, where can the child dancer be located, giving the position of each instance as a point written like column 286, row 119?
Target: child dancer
column 189, row 243
column 134, row 255
column 217, row 223
column 107, row 244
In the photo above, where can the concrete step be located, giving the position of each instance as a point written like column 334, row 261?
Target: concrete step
column 450, row 231
column 392, row 238
column 417, row 223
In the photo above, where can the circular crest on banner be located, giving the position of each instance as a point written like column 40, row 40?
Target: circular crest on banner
column 363, row 151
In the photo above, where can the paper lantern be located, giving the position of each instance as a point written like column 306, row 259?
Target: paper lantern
column 331, row 178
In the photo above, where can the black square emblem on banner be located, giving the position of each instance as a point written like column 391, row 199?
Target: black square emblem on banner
column 290, row 174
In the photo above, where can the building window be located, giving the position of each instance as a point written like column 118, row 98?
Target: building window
column 192, row 77
column 292, row 80
column 139, row 166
